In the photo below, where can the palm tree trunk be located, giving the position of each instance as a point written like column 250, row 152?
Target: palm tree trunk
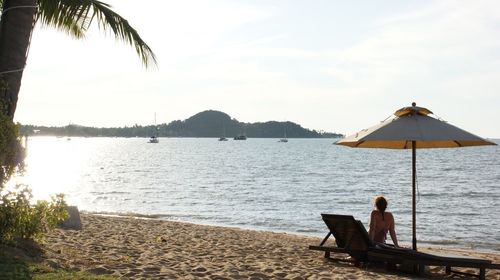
column 16, row 25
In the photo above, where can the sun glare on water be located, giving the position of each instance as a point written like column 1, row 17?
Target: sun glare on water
column 53, row 166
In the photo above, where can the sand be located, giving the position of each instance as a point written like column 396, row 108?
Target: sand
column 132, row 248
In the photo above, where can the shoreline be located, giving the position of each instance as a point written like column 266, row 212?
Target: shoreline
column 130, row 248
column 443, row 245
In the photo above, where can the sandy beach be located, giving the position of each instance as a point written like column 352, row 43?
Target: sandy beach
column 132, row 248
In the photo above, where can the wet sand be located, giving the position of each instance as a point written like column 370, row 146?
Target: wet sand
column 131, row 248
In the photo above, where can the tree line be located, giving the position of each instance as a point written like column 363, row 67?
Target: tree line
column 204, row 124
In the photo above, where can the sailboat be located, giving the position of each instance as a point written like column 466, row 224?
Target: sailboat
column 241, row 136
column 223, row 138
column 284, row 139
column 154, row 138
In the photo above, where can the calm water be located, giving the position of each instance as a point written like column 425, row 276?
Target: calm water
column 263, row 184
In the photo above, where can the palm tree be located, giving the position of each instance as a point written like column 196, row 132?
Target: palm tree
column 18, row 19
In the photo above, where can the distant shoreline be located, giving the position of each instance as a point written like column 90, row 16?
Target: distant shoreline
column 172, row 137
column 204, row 124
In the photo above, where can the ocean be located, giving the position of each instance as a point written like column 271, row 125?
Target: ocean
column 266, row 185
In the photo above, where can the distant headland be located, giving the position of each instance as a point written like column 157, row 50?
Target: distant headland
column 208, row 123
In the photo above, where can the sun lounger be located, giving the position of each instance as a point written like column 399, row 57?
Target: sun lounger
column 348, row 238
column 352, row 238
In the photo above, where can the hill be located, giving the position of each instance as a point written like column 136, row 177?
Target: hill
column 208, row 123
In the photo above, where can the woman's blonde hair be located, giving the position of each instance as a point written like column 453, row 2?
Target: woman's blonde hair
column 381, row 204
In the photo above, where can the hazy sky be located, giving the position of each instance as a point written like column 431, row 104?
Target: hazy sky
column 338, row 66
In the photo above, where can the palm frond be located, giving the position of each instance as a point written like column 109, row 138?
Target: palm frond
column 56, row 14
column 76, row 16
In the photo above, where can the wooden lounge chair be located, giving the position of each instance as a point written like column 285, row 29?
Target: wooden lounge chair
column 352, row 238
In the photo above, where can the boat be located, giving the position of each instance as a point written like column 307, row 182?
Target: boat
column 284, row 139
column 154, row 138
column 223, row 138
column 240, row 137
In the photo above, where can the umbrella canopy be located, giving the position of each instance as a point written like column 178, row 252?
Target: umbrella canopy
column 412, row 128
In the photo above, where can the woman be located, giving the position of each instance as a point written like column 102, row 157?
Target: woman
column 382, row 222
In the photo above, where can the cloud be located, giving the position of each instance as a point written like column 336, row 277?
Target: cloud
column 439, row 55
column 443, row 41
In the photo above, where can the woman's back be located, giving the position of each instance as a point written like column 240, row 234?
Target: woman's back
column 380, row 224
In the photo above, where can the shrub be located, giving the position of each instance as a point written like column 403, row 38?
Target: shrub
column 21, row 219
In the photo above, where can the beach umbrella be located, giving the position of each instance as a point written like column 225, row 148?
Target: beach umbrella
column 413, row 128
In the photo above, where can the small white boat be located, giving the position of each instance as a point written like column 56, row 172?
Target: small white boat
column 153, row 139
column 223, row 139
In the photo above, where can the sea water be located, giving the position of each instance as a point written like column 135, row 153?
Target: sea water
column 267, row 185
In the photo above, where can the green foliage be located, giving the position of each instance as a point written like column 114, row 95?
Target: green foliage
column 14, row 267
column 11, row 151
column 20, row 219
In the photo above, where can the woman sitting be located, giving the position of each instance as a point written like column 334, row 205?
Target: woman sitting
column 382, row 222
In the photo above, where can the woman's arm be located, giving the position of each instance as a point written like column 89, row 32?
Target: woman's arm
column 392, row 232
column 371, row 231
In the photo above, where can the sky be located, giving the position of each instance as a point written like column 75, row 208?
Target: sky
column 337, row 66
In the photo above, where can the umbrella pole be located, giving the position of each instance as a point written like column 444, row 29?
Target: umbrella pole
column 414, row 203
